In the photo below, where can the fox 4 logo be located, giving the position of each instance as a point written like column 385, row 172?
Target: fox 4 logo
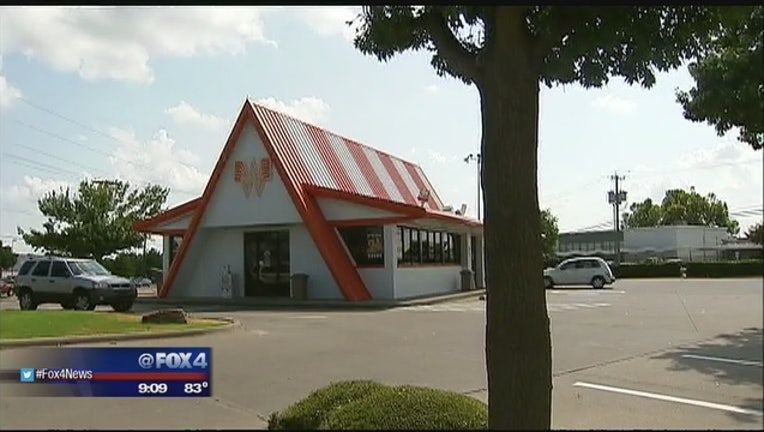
column 180, row 360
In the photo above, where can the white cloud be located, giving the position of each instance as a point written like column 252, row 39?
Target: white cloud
column 309, row 109
column 729, row 169
column 432, row 88
column 157, row 160
column 441, row 158
column 185, row 113
column 613, row 103
column 118, row 43
column 24, row 196
column 8, row 93
column 328, row 20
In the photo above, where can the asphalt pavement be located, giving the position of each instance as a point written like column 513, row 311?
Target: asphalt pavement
column 656, row 354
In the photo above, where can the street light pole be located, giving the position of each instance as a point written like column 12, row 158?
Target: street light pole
column 477, row 158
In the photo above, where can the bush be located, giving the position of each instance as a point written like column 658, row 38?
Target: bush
column 310, row 412
column 723, row 269
column 368, row 405
column 410, row 407
column 629, row 271
column 718, row 269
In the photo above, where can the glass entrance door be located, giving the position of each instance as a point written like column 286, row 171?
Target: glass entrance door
column 266, row 260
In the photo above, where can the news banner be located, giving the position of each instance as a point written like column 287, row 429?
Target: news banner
column 117, row 372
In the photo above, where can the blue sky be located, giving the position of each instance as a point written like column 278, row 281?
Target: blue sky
column 150, row 94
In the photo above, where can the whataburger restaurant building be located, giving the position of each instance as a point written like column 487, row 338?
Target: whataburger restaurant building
column 287, row 198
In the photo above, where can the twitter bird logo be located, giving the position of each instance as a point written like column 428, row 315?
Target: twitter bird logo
column 26, row 375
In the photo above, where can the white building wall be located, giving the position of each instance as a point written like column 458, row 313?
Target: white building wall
column 176, row 224
column 655, row 238
column 230, row 207
column 305, row 258
column 685, row 242
column 422, row 281
column 214, row 248
column 695, row 242
column 334, row 210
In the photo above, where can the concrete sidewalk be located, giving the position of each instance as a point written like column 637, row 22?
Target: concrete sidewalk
column 288, row 303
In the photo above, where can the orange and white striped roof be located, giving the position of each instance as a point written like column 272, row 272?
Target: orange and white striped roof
column 319, row 158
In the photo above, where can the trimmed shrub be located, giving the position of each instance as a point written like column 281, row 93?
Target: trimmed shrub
column 351, row 405
column 408, row 408
column 718, row 269
column 310, row 412
column 722, row 269
column 629, row 271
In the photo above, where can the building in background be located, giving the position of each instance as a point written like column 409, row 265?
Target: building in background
column 684, row 242
column 288, row 201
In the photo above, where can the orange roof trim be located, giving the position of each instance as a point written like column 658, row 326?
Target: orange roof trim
column 174, row 213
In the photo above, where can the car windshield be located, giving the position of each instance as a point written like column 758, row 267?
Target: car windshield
column 90, row 267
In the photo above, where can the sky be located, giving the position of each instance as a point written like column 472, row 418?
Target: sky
column 150, row 94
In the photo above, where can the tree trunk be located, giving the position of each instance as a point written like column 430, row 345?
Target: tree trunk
column 518, row 341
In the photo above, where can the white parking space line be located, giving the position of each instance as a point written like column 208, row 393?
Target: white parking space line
column 725, row 360
column 586, row 292
column 657, row 396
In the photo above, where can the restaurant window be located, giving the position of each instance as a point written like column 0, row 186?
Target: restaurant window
column 437, row 247
column 365, row 244
column 421, row 246
column 175, row 242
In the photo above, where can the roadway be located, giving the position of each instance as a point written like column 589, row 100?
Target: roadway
column 655, row 354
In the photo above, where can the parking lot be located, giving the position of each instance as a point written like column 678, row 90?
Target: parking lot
column 658, row 354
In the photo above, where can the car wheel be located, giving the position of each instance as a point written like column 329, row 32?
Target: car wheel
column 598, row 282
column 26, row 300
column 82, row 301
column 122, row 306
column 548, row 283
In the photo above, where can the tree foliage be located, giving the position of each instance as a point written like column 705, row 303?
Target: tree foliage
column 506, row 51
column 680, row 207
column 550, row 233
column 95, row 221
column 755, row 233
column 729, row 80
column 7, row 257
column 131, row 264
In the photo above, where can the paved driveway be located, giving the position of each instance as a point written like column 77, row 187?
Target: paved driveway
column 665, row 354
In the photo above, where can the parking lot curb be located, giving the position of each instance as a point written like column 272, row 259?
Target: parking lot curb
column 71, row 340
column 308, row 304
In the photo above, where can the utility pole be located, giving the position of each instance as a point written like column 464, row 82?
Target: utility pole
column 615, row 198
column 477, row 158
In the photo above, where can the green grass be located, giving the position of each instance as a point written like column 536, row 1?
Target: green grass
column 41, row 324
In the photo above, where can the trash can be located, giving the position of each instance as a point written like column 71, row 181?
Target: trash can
column 467, row 280
column 300, row 286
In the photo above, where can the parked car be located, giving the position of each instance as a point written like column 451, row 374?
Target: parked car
column 580, row 271
column 79, row 284
column 7, row 286
column 142, row 282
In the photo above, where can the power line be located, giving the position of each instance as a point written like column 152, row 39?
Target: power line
column 54, row 135
column 44, row 165
column 63, row 117
column 62, row 159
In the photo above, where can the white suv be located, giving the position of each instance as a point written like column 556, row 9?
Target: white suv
column 79, row 284
column 592, row 271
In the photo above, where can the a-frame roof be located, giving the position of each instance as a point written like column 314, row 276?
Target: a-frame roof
column 311, row 162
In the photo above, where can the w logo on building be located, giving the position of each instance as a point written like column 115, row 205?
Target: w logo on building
column 252, row 175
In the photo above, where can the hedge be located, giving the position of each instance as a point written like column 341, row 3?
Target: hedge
column 311, row 412
column 725, row 269
column 359, row 405
column 719, row 269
